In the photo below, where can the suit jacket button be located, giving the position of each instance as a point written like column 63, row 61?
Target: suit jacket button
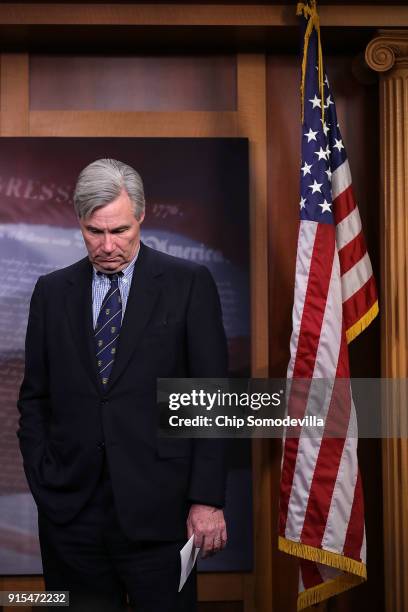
column 101, row 446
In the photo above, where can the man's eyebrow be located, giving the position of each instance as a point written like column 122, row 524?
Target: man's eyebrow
column 120, row 228
column 92, row 227
column 113, row 230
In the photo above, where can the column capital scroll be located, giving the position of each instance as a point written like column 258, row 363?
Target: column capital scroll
column 390, row 47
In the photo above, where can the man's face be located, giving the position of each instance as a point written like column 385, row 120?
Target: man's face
column 111, row 234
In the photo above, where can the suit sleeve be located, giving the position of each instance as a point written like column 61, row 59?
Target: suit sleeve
column 208, row 358
column 33, row 402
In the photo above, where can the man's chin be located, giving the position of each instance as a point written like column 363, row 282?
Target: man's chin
column 109, row 267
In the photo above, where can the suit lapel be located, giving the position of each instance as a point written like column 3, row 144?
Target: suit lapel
column 143, row 295
column 78, row 303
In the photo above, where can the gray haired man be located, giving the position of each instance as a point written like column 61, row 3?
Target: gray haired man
column 116, row 502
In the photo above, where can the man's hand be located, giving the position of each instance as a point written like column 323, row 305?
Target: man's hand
column 208, row 526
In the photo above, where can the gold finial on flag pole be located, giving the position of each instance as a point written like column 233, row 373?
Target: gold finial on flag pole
column 309, row 11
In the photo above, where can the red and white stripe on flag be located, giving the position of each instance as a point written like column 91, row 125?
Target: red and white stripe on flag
column 359, row 293
column 321, row 500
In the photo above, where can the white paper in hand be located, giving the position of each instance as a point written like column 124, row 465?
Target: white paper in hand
column 188, row 555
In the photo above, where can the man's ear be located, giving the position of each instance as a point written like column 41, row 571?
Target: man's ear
column 141, row 217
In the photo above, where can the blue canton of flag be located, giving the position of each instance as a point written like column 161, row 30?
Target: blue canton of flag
column 322, row 147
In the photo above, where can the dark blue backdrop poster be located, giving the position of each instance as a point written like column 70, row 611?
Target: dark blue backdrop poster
column 196, row 208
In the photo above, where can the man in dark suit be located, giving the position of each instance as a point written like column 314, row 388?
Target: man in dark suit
column 115, row 501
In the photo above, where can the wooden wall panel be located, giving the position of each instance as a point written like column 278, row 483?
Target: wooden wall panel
column 149, row 124
column 216, row 606
column 133, row 83
column 283, row 197
column 14, row 119
column 193, row 14
column 252, row 113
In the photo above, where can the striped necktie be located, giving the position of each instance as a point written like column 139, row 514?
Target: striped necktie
column 108, row 328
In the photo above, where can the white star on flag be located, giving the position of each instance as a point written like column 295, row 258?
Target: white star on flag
column 311, row 135
column 316, row 102
column 329, row 174
column 302, row 203
column 321, row 154
column 316, row 186
column 325, row 206
column 306, row 168
column 339, row 144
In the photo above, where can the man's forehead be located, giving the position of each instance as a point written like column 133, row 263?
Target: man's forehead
column 107, row 216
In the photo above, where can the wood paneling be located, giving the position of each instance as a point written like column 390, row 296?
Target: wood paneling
column 216, row 606
column 283, row 196
column 20, row 583
column 194, row 14
column 100, row 123
column 137, row 39
column 133, row 83
column 252, row 123
column 252, row 112
column 14, row 94
column 215, row 2
column 220, row 587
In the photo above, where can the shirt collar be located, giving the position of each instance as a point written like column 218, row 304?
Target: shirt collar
column 127, row 272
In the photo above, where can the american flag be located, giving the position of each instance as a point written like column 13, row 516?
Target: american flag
column 321, row 518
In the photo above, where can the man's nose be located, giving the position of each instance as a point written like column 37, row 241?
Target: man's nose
column 108, row 243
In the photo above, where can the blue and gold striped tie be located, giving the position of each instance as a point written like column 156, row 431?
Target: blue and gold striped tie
column 108, row 328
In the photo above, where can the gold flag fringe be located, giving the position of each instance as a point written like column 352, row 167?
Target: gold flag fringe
column 323, row 591
column 356, row 329
column 356, row 571
column 311, row 553
column 309, row 11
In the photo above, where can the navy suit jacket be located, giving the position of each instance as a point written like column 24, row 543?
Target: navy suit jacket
column 172, row 328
